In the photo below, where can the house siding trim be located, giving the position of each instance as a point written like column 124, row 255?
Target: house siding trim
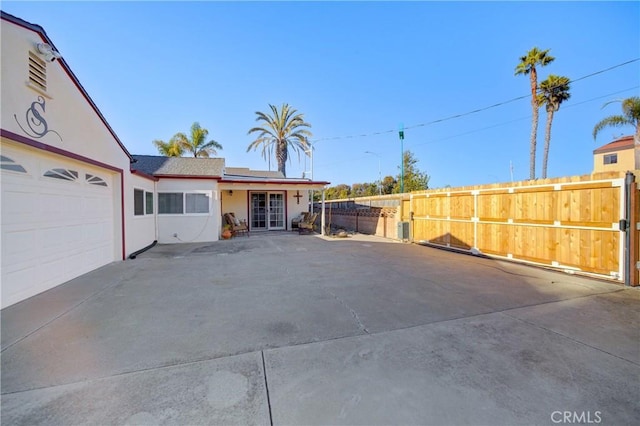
column 44, row 147
column 144, row 175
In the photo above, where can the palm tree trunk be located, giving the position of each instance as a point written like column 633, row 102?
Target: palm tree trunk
column 547, row 142
column 281, row 155
column 534, row 124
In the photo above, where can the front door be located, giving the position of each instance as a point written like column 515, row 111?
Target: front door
column 267, row 211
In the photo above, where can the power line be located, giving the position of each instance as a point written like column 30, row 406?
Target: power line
column 440, row 120
column 350, row 160
column 524, row 118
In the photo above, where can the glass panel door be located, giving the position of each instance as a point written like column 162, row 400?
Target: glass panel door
column 258, row 210
column 276, row 211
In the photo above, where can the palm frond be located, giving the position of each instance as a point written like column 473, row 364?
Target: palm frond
column 283, row 128
column 611, row 121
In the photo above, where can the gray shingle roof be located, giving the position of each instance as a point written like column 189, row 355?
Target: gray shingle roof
column 156, row 165
column 246, row 172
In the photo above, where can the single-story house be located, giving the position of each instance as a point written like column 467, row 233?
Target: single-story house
column 193, row 194
column 74, row 199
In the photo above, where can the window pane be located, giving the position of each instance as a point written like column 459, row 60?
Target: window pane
column 611, row 159
column 149, row 196
column 138, row 202
column 170, row 203
column 197, row 203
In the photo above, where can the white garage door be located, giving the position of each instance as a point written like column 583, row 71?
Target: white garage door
column 57, row 223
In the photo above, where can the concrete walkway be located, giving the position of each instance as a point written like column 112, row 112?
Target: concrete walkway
column 290, row 329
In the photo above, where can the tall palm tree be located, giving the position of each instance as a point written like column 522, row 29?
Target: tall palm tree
column 630, row 117
column 553, row 91
column 169, row 149
column 196, row 143
column 284, row 129
column 527, row 66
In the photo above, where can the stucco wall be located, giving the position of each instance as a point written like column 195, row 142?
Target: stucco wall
column 236, row 203
column 190, row 228
column 626, row 161
column 141, row 229
column 293, row 208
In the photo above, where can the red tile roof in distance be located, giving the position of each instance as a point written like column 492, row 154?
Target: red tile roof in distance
column 625, row 142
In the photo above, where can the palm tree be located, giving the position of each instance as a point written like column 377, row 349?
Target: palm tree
column 169, row 149
column 196, row 144
column 284, row 129
column 527, row 66
column 630, row 117
column 553, row 91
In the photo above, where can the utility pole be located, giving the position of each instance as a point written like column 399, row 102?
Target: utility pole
column 309, row 152
column 401, row 134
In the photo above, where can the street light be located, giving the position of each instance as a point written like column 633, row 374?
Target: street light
column 379, row 172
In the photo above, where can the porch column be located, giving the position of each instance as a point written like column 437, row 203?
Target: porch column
column 322, row 222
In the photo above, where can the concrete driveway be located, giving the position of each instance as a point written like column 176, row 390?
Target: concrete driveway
column 289, row 329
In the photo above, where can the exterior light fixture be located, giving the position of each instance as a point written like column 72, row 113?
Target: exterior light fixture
column 47, row 52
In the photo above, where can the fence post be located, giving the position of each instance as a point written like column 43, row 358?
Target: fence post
column 634, row 235
column 629, row 188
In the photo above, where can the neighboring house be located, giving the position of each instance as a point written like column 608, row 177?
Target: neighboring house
column 74, row 199
column 620, row 155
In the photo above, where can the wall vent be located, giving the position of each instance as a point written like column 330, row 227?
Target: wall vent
column 37, row 72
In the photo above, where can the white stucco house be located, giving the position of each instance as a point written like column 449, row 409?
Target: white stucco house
column 74, row 199
column 193, row 194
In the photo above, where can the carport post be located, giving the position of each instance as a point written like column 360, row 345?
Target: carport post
column 322, row 215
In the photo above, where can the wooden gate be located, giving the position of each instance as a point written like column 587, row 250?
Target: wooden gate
column 568, row 223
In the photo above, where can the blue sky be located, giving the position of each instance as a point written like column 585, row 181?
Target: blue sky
column 354, row 69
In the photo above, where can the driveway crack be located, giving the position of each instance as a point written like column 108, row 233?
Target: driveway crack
column 266, row 387
column 354, row 314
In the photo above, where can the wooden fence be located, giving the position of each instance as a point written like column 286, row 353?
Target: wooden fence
column 571, row 223
column 568, row 223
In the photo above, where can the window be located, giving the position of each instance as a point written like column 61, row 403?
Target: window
column 197, row 203
column 170, row 203
column 7, row 163
column 63, row 174
column 149, row 200
column 183, row 203
column 37, row 72
column 94, row 180
column 611, row 159
column 142, row 202
column 138, row 202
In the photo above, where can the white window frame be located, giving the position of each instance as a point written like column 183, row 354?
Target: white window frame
column 209, row 195
column 610, row 157
column 146, row 202
column 145, row 210
column 137, row 191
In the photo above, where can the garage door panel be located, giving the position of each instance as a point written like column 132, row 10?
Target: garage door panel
column 54, row 230
column 12, row 294
column 17, row 249
column 97, row 232
column 94, row 206
column 18, row 206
